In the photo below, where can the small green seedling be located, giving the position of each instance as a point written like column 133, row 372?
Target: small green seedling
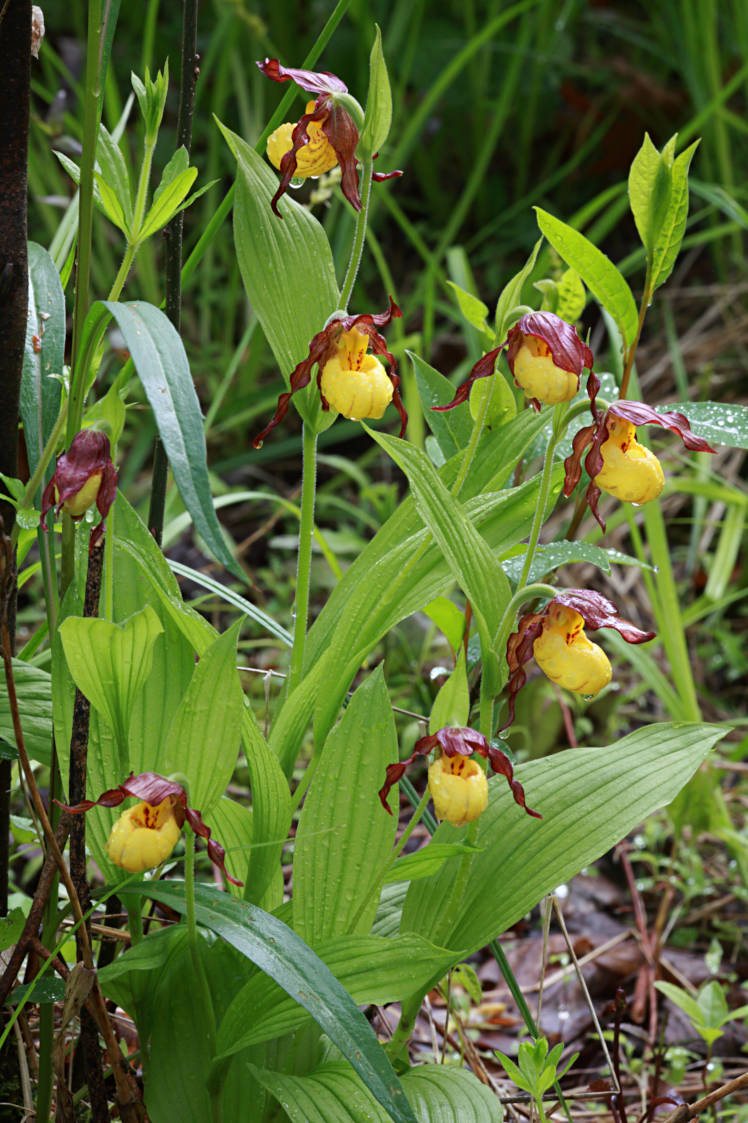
column 536, row 1069
column 707, row 1011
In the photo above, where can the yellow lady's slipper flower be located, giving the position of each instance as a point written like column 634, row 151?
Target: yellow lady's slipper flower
column 144, row 836
column 312, row 159
column 565, row 654
column 546, row 358
column 458, row 784
column 350, row 380
column 459, row 789
column 555, row 638
column 354, row 382
column 616, row 462
column 83, row 475
column 630, row 472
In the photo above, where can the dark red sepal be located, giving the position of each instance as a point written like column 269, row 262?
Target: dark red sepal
column 484, row 368
column 154, row 789
column 567, row 349
column 459, row 741
column 324, row 346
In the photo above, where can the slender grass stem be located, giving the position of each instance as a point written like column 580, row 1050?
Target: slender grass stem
column 304, row 570
column 545, row 486
column 198, row 965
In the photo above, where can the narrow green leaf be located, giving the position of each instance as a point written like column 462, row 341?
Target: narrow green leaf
column 451, row 429
column 597, row 271
column 448, row 618
column 44, row 353
column 589, row 799
column 111, row 206
column 472, row 308
column 271, row 808
column 233, row 825
column 572, row 296
column 345, row 836
column 204, row 738
column 468, row 555
column 161, row 362
column 649, row 192
column 372, row 969
column 114, row 173
column 378, row 117
column 282, row 954
column 511, row 295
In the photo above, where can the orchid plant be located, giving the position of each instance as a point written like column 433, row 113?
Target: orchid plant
column 145, row 695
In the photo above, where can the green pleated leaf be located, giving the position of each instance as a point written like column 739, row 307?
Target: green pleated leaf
column 283, row 955
column 203, row 742
column 233, row 825
column 333, row 1094
column 372, row 970
column 548, row 558
column 425, row 862
column 44, row 353
column 470, row 558
column 378, row 117
column 451, row 429
column 473, row 309
column 672, row 226
column 345, row 836
column 452, row 703
column 649, row 190
column 110, row 663
column 271, row 808
column 161, row 363
column 597, row 271
column 589, row 799
column 34, row 690
column 286, row 266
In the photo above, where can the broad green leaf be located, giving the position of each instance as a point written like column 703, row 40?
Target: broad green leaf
column 161, row 362
column 378, row 117
column 468, row 555
column 233, row 825
column 110, row 663
column 548, row 558
column 511, row 295
column 451, row 429
column 425, row 862
column 286, row 266
column 155, row 982
column 649, row 191
column 345, row 836
column 597, row 271
column 34, row 690
column 203, row 742
column 43, row 355
column 283, row 955
column 372, row 969
column 473, row 309
column 448, row 618
column 333, row 1094
column 271, row 809
column 452, row 703
column 722, row 423
column 669, row 234
column 589, row 799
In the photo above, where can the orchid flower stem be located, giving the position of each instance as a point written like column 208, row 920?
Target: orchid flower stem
column 359, row 235
column 631, row 353
column 303, row 573
column 545, row 486
column 475, row 437
column 197, row 962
